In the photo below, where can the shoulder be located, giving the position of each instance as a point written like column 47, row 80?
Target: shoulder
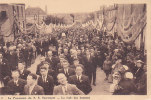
column 22, row 80
column 72, row 76
column 71, row 69
column 38, row 87
column 84, row 76
column 10, row 82
column 72, row 85
column 25, row 87
column 50, row 77
column 57, row 87
column 26, row 71
column 60, row 70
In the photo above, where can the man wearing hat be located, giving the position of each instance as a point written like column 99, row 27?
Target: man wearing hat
column 138, row 71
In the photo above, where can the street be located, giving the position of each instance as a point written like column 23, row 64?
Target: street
column 102, row 87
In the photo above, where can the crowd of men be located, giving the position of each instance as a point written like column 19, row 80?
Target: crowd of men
column 68, row 65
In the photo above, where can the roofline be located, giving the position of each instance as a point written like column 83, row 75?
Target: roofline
column 12, row 4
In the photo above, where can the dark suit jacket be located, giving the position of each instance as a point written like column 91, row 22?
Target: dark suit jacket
column 88, row 65
column 48, row 86
column 83, row 84
column 37, row 90
column 12, row 88
column 53, row 63
column 71, row 90
column 138, row 73
column 13, row 60
column 38, row 68
column 24, row 74
column 127, row 87
column 4, row 69
column 70, row 72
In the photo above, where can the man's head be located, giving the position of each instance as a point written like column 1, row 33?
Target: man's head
column 65, row 50
column 49, row 53
column 21, row 66
column 44, row 71
column 65, row 64
column 87, row 52
column 31, row 79
column 62, row 79
column 139, row 63
column 79, row 70
column 15, row 74
column 76, row 62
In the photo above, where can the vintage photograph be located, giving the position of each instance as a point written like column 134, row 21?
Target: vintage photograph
column 56, row 48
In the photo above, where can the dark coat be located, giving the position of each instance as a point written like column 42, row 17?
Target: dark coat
column 83, row 84
column 88, row 65
column 24, row 74
column 13, row 60
column 13, row 88
column 138, row 73
column 48, row 86
column 53, row 63
column 4, row 69
column 127, row 87
column 70, row 72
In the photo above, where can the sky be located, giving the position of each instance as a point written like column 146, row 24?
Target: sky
column 62, row 6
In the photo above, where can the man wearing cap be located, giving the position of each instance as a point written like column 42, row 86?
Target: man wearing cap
column 139, row 71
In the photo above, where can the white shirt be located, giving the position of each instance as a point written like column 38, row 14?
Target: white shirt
column 44, row 78
column 66, row 71
column 79, row 77
column 16, row 82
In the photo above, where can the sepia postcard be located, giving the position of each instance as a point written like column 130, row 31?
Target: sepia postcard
column 75, row 49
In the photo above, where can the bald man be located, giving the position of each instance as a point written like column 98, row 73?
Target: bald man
column 65, row 88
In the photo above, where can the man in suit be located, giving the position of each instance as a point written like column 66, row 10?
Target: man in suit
column 46, row 81
column 88, row 65
column 13, row 58
column 81, row 81
column 32, row 88
column 138, row 71
column 66, row 70
column 16, row 85
column 65, row 88
column 42, row 59
column 23, row 72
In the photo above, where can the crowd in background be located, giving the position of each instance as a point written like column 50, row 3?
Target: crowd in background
column 74, row 55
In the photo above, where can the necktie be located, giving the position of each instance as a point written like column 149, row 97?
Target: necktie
column 78, row 79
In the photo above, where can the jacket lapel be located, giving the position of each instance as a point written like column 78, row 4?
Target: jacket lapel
column 33, row 92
